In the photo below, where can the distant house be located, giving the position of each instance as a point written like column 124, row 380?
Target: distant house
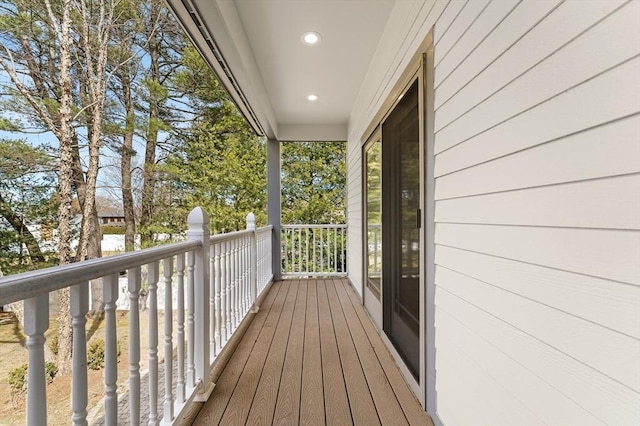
column 111, row 217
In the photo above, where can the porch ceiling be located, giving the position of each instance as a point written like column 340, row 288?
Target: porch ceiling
column 256, row 48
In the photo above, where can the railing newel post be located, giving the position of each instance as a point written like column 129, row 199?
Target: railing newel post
column 198, row 222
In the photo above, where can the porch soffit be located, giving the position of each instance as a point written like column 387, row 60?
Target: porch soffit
column 256, row 48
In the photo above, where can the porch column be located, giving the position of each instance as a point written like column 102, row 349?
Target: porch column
column 273, row 202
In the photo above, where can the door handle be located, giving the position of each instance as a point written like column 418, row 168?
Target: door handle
column 419, row 218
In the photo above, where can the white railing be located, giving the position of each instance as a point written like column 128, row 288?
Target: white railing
column 223, row 275
column 314, row 250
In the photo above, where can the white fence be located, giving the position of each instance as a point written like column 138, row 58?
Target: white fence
column 314, row 250
column 218, row 280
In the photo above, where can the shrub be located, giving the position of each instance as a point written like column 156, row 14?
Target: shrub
column 113, row 230
column 53, row 344
column 18, row 378
column 95, row 354
column 50, row 371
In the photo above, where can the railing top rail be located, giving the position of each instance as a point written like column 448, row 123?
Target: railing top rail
column 218, row 238
column 28, row 284
column 309, row 226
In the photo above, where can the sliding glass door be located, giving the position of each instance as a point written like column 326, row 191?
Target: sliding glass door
column 401, row 223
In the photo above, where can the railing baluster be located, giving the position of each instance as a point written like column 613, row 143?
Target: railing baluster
column 134, row 345
column 234, row 284
column 224, row 295
column 212, row 303
column 110, row 295
column 36, row 322
column 238, row 257
column 79, row 394
column 243, row 282
column 321, row 250
column 191, row 372
column 180, row 381
column 216, row 272
column 335, row 250
column 315, row 262
column 153, row 274
column 252, row 263
column 342, row 264
column 167, row 266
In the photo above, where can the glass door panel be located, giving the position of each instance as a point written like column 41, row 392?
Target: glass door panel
column 373, row 226
column 401, row 228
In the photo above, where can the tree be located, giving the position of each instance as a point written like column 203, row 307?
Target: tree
column 217, row 162
column 27, row 201
column 313, row 182
column 55, row 54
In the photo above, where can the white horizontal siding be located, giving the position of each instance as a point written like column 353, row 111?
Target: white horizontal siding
column 607, row 304
column 490, row 68
column 575, row 204
column 536, row 399
column 537, row 141
column 602, row 253
column 599, row 399
column 552, row 163
column 569, row 67
column 354, row 214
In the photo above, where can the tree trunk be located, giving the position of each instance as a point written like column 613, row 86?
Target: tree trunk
column 94, row 249
column 149, row 183
column 125, row 164
column 65, row 130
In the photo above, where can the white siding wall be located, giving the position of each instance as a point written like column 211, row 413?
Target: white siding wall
column 537, row 207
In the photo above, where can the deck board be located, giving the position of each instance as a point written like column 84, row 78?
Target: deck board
column 311, row 356
column 211, row 413
column 384, row 398
column 288, row 403
column 264, row 400
column 410, row 405
column 335, row 392
column 242, row 398
column 363, row 410
column 311, row 397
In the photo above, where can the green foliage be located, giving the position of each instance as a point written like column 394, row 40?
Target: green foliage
column 112, row 230
column 53, row 343
column 50, row 371
column 313, row 182
column 96, row 354
column 18, row 376
column 217, row 163
column 27, row 199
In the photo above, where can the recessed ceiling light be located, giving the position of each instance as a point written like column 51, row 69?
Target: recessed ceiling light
column 312, row 98
column 311, row 38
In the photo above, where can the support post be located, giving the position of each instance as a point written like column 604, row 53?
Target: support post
column 274, row 203
column 253, row 262
column 198, row 222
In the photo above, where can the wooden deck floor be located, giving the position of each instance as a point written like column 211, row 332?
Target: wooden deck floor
column 311, row 356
